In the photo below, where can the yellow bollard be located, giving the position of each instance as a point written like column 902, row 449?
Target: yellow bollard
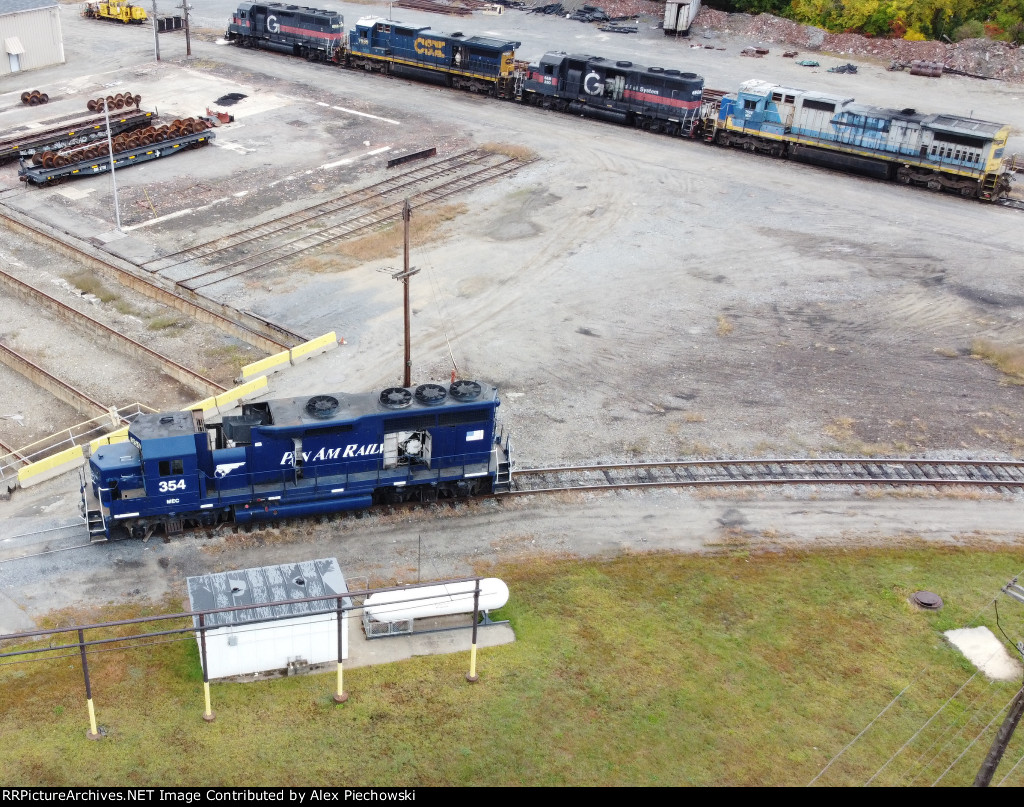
column 93, row 733
column 471, row 676
column 341, row 695
column 208, row 715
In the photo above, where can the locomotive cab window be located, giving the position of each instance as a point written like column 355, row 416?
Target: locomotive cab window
column 790, row 99
column 171, row 467
column 777, row 97
column 749, row 103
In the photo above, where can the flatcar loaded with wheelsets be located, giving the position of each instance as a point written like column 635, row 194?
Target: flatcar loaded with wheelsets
column 300, row 456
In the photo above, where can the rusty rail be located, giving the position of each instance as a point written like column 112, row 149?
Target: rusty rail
column 253, row 330
column 127, row 345
column 857, row 471
column 61, row 390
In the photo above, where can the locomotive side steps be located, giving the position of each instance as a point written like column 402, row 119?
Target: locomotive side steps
column 94, row 521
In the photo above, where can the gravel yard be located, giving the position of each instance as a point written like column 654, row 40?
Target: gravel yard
column 632, row 295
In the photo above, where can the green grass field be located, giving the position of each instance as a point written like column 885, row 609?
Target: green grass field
column 751, row 669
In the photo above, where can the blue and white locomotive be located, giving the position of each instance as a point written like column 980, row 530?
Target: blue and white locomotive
column 943, row 152
column 654, row 98
column 300, row 456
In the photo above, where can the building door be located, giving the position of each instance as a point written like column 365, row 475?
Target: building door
column 15, row 62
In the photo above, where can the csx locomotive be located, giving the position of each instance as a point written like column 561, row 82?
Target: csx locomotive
column 298, row 457
column 941, row 152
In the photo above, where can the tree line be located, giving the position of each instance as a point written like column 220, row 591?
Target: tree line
column 950, row 20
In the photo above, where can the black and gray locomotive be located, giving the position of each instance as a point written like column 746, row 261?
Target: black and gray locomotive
column 298, row 457
column 654, row 98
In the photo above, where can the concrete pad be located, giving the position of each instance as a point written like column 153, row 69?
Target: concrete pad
column 986, row 652
column 12, row 618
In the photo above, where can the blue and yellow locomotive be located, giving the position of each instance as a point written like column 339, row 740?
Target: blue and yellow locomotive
column 942, row 152
column 299, row 456
column 475, row 63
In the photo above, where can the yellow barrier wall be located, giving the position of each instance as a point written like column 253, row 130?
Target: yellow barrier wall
column 325, row 342
column 263, row 365
column 50, row 467
column 278, row 360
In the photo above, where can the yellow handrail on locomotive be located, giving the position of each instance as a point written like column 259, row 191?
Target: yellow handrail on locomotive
column 118, row 10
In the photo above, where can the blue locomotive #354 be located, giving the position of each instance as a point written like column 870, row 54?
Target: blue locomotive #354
column 300, row 456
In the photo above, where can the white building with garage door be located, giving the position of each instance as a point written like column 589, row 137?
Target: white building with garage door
column 30, row 35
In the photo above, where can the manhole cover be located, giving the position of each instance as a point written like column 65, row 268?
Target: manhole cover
column 926, row 599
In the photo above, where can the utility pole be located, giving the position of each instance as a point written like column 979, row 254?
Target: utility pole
column 156, row 32
column 113, row 179
column 185, row 8
column 995, row 753
column 404, row 276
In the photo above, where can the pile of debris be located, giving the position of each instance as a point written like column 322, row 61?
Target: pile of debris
column 983, row 58
column 612, row 11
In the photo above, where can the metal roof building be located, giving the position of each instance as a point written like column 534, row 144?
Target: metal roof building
column 30, row 34
column 299, row 634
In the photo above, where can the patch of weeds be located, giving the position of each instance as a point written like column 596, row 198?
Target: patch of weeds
column 515, row 151
column 163, row 322
column 724, row 326
column 946, row 352
column 1007, row 359
column 694, row 417
column 126, row 308
column 388, row 241
column 88, row 283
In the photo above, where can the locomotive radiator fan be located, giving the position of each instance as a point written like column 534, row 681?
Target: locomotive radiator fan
column 431, row 394
column 395, row 397
column 322, row 406
column 464, row 390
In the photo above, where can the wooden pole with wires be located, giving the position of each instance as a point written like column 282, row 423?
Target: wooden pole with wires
column 1003, row 736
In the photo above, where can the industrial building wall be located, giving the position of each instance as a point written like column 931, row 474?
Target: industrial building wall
column 39, row 35
column 269, row 646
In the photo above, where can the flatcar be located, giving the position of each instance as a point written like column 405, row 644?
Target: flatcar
column 299, row 456
column 311, row 33
column 941, row 152
column 475, row 63
column 653, row 98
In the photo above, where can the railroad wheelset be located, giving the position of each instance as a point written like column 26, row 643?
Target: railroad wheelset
column 114, row 102
column 34, row 98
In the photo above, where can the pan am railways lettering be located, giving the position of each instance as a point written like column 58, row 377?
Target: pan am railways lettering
column 351, row 450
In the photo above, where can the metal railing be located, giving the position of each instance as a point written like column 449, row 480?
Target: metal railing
column 79, row 434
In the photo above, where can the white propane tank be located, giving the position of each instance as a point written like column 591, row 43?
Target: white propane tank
column 442, row 600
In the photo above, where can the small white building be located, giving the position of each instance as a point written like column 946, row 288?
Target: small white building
column 30, row 34
column 300, row 633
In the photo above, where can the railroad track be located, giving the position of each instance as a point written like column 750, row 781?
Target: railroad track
column 83, row 403
column 352, row 214
column 246, row 326
column 1003, row 475
column 125, row 344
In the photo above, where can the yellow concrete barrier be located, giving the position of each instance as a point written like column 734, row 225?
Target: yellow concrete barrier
column 119, row 436
column 276, row 362
column 325, row 342
column 233, row 395
column 50, row 467
column 263, row 365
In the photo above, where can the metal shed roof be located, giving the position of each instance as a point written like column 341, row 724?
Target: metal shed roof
column 267, row 584
column 12, row 6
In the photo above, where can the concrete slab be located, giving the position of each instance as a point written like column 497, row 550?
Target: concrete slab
column 986, row 652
